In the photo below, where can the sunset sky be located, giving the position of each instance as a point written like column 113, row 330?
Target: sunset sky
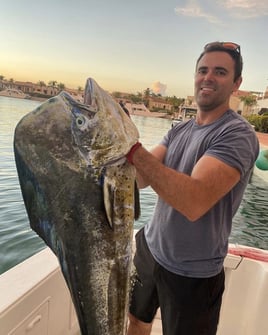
column 129, row 45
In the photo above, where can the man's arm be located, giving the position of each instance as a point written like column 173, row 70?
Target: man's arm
column 159, row 153
column 191, row 195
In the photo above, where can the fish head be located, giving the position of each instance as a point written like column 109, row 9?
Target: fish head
column 106, row 137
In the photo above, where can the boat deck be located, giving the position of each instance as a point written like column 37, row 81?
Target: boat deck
column 40, row 298
column 157, row 326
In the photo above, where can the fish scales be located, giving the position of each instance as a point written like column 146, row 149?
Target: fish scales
column 78, row 191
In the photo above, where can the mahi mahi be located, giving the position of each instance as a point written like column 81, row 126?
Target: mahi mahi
column 78, row 191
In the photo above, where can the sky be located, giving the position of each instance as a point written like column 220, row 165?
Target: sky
column 129, row 46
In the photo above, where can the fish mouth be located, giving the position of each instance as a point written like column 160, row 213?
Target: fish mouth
column 76, row 105
column 89, row 92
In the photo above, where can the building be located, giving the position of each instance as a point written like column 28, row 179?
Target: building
column 159, row 104
column 40, row 89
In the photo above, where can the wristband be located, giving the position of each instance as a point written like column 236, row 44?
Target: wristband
column 129, row 155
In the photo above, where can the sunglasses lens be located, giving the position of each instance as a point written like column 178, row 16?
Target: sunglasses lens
column 226, row 45
column 230, row 45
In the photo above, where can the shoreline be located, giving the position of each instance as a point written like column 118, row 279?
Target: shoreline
column 262, row 137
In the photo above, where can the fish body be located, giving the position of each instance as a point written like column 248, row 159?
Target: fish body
column 78, row 191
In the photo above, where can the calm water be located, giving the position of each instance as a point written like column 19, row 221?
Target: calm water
column 18, row 241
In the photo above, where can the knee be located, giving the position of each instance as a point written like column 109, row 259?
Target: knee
column 138, row 327
column 133, row 319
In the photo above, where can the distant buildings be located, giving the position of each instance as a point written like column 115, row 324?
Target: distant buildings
column 239, row 103
column 39, row 90
column 153, row 103
column 159, row 103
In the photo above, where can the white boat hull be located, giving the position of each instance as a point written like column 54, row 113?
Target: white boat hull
column 14, row 93
column 35, row 299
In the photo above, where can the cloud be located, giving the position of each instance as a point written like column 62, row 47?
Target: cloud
column 245, row 9
column 240, row 9
column 193, row 9
column 158, row 88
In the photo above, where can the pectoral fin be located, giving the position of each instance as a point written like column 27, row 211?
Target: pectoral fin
column 108, row 198
column 137, row 210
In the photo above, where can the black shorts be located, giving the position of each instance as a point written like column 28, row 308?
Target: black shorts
column 189, row 306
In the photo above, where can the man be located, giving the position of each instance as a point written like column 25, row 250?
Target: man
column 199, row 171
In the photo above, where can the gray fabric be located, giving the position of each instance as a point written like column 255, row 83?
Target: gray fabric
column 197, row 249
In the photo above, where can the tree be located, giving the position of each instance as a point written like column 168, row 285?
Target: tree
column 135, row 98
column 41, row 83
column 53, row 83
column 175, row 102
column 61, row 86
column 139, row 95
column 116, row 95
column 249, row 101
column 146, row 96
column 147, row 93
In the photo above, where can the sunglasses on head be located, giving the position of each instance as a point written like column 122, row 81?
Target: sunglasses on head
column 224, row 45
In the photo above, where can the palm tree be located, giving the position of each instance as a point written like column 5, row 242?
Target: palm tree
column 41, row 83
column 61, row 86
column 147, row 93
column 2, row 85
column 146, row 96
column 53, row 83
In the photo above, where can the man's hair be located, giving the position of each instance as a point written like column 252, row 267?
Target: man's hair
column 232, row 49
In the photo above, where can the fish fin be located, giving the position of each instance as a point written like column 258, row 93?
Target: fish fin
column 137, row 208
column 108, row 198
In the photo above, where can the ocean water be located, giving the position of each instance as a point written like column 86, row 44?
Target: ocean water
column 18, row 241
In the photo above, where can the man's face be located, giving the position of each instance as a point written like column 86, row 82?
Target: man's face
column 214, row 80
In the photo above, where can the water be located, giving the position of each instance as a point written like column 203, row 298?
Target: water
column 18, row 241
column 250, row 224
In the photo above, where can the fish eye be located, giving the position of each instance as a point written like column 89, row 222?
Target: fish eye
column 80, row 121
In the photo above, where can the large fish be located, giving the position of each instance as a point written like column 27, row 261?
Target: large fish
column 78, row 191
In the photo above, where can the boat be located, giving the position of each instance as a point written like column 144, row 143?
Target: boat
column 176, row 121
column 14, row 93
column 185, row 114
column 35, row 299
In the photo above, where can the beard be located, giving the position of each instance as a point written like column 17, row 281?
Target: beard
column 209, row 102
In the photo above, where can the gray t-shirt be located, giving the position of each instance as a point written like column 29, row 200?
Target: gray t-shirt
column 197, row 249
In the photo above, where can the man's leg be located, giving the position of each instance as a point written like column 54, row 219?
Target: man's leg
column 189, row 306
column 144, row 299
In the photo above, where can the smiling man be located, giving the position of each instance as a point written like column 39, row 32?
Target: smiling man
column 217, row 76
column 199, row 171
